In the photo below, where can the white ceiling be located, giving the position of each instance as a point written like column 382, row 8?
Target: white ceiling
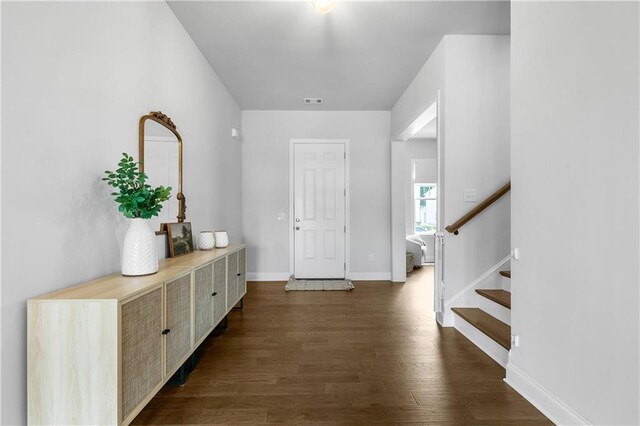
column 361, row 56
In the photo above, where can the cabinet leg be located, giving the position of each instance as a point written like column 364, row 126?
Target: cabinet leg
column 220, row 328
column 182, row 376
column 194, row 361
column 241, row 305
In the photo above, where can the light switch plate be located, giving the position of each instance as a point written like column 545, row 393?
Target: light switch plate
column 470, row 195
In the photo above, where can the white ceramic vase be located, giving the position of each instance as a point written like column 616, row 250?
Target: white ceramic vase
column 206, row 240
column 140, row 252
column 222, row 239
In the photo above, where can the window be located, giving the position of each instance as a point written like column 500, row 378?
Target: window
column 425, row 209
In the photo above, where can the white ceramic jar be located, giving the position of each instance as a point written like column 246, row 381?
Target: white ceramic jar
column 206, row 240
column 222, row 239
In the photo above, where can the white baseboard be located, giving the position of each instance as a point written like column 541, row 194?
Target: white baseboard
column 558, row 412
column 370, row 276
column 268, row 276
column 481, row 340
column 447, row 318
column 284, row 276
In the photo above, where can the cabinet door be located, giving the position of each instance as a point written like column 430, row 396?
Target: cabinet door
column 178, row 322
column 242, row 271
column 219, row 289
column 141, row 345
column 232, row 280
column 203, row 301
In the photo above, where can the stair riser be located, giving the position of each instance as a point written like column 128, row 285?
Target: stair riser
column 494, row 309
column 474, row 300
column 506, row 284
column 481, row 340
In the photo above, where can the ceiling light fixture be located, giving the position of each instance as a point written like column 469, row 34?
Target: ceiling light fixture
column 323, row 6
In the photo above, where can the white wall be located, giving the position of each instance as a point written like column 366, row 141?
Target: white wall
column 476, row 155
column 426, row 170
column 265, row 180
column 575, row 165
column 76, row 79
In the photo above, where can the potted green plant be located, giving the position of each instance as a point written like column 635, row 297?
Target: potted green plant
column 138, row 201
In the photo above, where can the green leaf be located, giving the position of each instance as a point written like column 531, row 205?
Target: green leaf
column 136, row 197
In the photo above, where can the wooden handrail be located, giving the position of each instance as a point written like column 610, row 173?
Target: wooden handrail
column 453, row 228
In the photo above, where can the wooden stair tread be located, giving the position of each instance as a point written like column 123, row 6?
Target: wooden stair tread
column 506, row 274
column 501, row 297
column 492, row 327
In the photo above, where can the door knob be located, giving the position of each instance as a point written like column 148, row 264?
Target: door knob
column 297, row 219
column 297, row 228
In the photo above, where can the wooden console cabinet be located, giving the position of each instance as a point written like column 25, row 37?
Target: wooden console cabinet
column 98, row 352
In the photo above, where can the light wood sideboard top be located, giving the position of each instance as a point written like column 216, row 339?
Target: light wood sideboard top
column 118, row 288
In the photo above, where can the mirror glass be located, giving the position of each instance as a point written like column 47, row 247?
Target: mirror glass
column 161, row 165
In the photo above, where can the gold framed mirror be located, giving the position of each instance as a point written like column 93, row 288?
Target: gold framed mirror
column 160, row 154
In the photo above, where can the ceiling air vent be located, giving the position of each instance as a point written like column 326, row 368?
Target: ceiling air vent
column 313, row 101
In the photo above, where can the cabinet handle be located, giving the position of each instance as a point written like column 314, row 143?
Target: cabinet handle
column 238, row 275
column 166, row 331
column 214, row 293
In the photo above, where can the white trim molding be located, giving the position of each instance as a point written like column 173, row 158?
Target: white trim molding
column 422, row 120
column 477, row 281
column 424, row 115
column 268, row 276
column 284, row 276
column 398, row 219
column 0, row 225
column 552, row 407
column 370, row 276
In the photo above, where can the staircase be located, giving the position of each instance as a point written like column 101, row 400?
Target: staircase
column 485, row 314
column 488, row 324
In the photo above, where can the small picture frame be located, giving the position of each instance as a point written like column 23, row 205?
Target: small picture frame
column 180, row 238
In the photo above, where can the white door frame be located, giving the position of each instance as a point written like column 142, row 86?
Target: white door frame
column 438, row 254
column 347, row 216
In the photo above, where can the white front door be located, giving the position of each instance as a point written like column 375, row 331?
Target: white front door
column 319, row 210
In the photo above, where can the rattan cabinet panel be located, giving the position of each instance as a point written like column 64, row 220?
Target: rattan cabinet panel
column 178, row 322
column 232, row 280
column 141, row 349
column 203, row 301
column 242, row 271
column 220, row 288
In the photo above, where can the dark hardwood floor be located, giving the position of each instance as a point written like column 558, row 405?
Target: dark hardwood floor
column 370, row 356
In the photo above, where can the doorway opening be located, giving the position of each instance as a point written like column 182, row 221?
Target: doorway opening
column 417, row 228
column 318, row 208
